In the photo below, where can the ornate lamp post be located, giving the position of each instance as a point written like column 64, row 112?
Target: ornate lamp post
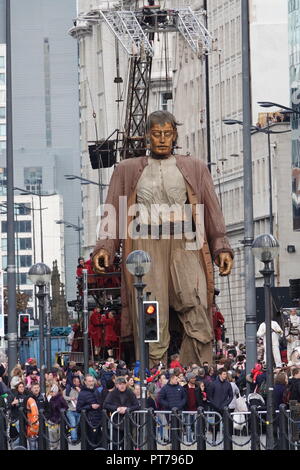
column 265, row 248
column 138, row 264
column 40, row 276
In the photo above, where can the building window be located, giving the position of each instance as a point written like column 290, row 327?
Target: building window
column 23, row 279
column 22, row 226
column 25, row 244
column 2, row 180
column 2, row 130
column 33, row 178
column 22, row 209
column 2, row 79
column 25, row 261
column 164, row 98
column 2, row 112
column 2, row 62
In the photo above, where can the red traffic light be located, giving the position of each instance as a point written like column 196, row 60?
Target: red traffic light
column 25, row 319
column 150, row 309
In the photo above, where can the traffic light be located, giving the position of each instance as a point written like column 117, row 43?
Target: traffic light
column 151, row 320
column 24, row 324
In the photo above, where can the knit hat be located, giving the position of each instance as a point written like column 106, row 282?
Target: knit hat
column 110, row 385
column 121, row 380
column 189, row 376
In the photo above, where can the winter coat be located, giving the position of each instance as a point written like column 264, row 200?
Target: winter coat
column 121, row 371
column 14, row 409
column 106, row 376
column 220, row 394
column 136, row 370
column 56, row 404
column 175, row 365
column 236, row 394
column 116, row 399
column 278, row 392
column 86, row 398
column 71, row 398
column 295, row 389
column 172, row 396
column 199, row 397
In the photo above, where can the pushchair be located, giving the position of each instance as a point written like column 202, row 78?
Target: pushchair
column 255, row 399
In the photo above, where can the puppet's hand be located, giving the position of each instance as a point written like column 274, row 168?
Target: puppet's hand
column 100, row 261
column 225, row 263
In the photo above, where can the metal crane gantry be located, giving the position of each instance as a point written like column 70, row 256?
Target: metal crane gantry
column 135, row 31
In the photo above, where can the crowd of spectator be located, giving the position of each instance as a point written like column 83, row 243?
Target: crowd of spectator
column 113, row 386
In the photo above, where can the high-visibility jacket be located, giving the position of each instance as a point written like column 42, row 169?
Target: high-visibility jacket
column 32, row 418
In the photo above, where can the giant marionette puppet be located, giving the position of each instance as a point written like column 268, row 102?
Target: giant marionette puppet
column 183, row 242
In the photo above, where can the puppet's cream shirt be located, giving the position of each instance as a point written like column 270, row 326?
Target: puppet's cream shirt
column 161, row 183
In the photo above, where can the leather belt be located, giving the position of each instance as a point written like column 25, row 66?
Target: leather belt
column 172, row 228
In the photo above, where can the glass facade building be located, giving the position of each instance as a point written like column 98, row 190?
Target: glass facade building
column 294, row 46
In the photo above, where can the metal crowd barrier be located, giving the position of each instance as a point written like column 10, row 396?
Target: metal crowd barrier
column 156, row 430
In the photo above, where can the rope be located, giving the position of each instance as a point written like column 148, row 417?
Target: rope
column 91, row 443
column 138, row 426
column 181, row 421
column 187, row 432
column 263, row 421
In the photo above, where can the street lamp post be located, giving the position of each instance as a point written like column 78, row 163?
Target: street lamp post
column 265, row 248
column 48, row 327
column 85, row 322
column 40, row 276
column 250, row 297
column 268, row 131
column 85, row 181
column 11, row 268
column 138, row 264
column 77, row 228
column 270, row 104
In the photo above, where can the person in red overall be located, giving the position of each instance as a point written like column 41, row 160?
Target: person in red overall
column 92, row 279
column 95, row 330
column 110, row 336
column 218, row 321
column 80, row 267
column 79, row 274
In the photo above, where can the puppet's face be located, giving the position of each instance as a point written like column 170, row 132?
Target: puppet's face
column 162, row 139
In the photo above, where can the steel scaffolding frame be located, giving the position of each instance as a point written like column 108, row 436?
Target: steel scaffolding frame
column 127, row 29
column 136, row 40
